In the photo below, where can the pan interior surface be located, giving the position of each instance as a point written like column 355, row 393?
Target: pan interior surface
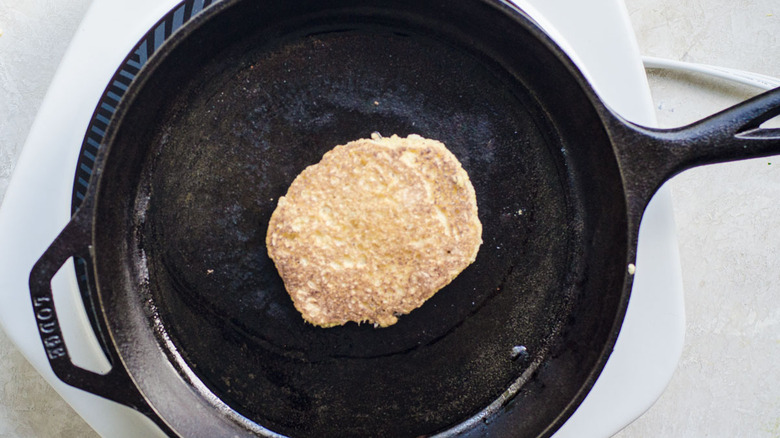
column 235, row 146
column 231, row 124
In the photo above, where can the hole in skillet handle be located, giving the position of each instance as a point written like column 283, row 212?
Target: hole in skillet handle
column 84, row 338
column 649, row 157
column 73, row 242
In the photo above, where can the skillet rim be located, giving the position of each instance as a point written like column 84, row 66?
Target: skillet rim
column 529, row 26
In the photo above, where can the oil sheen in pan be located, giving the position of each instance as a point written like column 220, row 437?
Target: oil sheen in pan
column 231, row 143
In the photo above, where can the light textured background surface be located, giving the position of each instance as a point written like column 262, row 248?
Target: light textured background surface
column 727, row 383
column 728, row 380
column 28, row 59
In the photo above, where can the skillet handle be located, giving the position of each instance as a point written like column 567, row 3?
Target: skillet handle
column 649, row 157
column 115, row 385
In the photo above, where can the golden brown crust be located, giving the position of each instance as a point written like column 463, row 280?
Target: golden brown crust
column 374, row 229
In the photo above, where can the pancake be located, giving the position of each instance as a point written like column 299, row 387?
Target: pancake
column 374, row 229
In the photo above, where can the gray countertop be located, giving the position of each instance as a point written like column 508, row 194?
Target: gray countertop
column 727, row 383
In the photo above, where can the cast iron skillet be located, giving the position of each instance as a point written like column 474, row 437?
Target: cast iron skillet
column 197, row 325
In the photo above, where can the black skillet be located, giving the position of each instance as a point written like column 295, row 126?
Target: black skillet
column 194, row 318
